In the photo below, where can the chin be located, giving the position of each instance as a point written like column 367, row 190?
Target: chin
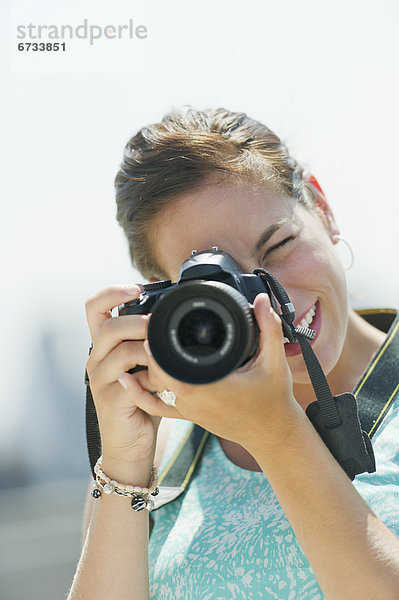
column 327, row 353
column 300, row 373
column 330, row 329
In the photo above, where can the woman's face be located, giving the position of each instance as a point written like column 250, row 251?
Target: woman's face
column 259, row 228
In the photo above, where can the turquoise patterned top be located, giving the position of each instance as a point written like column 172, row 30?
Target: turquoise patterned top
column 228, row 538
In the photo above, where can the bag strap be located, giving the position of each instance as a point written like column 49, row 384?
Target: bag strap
column 379, row 384
column 176, row 475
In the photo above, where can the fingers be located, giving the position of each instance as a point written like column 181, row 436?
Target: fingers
column 146, row 401
column 159, row 379
column 137, row 390
column 125, row 356
column 115, row 331
column 271, row 341
column 99, row 306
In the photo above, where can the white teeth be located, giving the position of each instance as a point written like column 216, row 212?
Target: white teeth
column 307, row 321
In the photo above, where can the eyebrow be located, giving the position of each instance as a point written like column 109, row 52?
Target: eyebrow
column 268, row 233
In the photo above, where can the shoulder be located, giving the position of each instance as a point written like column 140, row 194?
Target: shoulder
column 383, row 319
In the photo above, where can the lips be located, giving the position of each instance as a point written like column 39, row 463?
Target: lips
column 312, row 319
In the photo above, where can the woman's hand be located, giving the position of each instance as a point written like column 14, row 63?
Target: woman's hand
column 254, row 400
column 128, row 433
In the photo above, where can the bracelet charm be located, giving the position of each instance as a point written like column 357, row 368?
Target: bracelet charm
column 140, row 496
column 96, row 493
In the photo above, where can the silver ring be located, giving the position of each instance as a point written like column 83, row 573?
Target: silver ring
column 167, row 397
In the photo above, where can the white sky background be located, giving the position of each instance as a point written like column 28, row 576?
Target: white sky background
column 323, row 75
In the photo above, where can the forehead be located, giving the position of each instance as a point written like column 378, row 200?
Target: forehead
column 231, row 216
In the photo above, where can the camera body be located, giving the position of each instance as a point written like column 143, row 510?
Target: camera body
column 203, row 326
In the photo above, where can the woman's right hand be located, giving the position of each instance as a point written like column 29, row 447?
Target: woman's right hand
column 128, row 434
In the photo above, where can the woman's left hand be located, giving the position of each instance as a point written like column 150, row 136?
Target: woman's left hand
column 256, row 399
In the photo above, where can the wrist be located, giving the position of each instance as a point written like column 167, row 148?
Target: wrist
column 128, row 472
column 138, row 493
column 274, row 431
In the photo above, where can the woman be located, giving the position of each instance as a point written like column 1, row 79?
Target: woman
column 269, row 513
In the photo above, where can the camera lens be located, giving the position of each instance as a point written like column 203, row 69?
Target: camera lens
column 201, row 332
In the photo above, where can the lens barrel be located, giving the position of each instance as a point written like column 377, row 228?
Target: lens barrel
column 202, row 330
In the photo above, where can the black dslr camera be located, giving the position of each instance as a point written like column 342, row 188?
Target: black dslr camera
column 203, row 327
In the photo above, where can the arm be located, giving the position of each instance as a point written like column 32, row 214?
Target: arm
column 114, row 560
column 351, row 552
column 162, row 440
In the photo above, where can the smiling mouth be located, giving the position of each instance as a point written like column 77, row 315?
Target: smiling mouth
column 306, row 321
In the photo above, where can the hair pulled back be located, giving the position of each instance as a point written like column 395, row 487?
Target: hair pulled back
column 166, row 160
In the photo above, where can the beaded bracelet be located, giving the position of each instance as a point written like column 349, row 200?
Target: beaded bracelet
column 140, row 495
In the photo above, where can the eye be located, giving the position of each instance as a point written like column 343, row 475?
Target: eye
column 279, row 245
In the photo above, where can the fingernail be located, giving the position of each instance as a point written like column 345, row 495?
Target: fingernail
column 132, row 290
column 123, row 383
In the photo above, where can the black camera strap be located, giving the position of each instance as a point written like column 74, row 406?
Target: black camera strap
column 336, row 420
column 319, row 383
column 92, row 430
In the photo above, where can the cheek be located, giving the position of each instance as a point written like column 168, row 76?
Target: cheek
column 312, row 268
column 329, row 267
column 305, row 264
column 318, row 260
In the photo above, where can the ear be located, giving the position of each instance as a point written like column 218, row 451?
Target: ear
column 322, row 207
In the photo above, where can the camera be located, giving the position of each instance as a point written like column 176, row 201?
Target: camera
column 202, row 327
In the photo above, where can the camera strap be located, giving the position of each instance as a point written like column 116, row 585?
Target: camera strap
column 336, row 420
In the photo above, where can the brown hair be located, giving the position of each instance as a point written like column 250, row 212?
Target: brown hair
column 165, row 160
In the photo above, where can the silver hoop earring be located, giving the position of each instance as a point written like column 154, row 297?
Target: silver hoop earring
column 339, row 238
